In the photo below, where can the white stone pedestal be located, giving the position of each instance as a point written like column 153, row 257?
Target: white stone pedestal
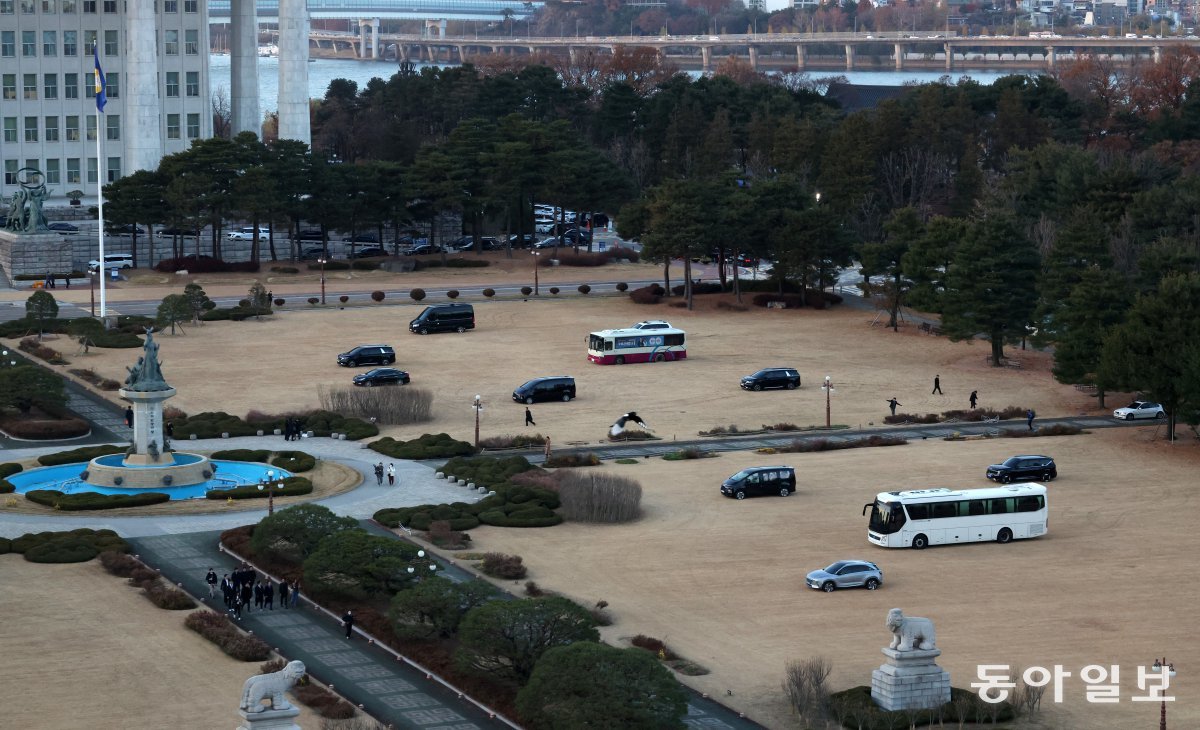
column 283, row 719
column 34, row 253
column 147, row 418
column 910, row 680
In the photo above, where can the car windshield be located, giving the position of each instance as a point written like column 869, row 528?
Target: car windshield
column 379, row 371
column 761, row 374
column 1011, row 461
column 836, row 567
column 1137, row 404
column 740, row 475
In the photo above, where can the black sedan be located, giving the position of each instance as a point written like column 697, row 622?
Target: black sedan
column 772, row 378
column 369, row 252
column 63, row 228
column 381, row 376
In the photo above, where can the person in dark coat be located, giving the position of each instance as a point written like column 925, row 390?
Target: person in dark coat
column 258, row 598
column 129, row 417
column 247, row 592
column 211, row 580
column 269, row 595
column 529, row 418
column 227, row 590
column 238, row 603
column 892, row 403
column 348, row 622
column 974, row 397
column 937, row 385
column 283, row 593
column 295, row 599
column 379, row 473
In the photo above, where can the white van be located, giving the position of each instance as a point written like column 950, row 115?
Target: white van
column 112, row 261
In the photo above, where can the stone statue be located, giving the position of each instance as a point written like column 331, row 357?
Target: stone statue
column 910, row 632
column 271, row 686
column 16, row 212
column 146, row 375
column 25, row 207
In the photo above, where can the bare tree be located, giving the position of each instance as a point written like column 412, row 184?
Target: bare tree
column 805, row 686
column 913, row 177
column 222, row 114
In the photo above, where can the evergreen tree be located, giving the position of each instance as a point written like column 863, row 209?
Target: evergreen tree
column 1097, row 304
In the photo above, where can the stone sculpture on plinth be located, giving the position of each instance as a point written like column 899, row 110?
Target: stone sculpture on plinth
column 27, row 245
column 280, row 714
column 910, row 679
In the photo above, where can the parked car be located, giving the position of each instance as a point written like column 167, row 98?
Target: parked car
column 551, row 242
column 65, row 229
column 381, row 376
column 368, row 355
column 559, row 387
column 362, row 238
column 772, row 378
column 444, row 318
column 522, row 241
column 127, row 229
column 846, row 574
column 652, row 324
column 369, row 252
column 311, row 254
column 310, row 234
column 174, row 231
column 757, row 480
column 247, row 234
column 1140, row 409
column 112, row 261
column 1019, row 468
column 423, row 249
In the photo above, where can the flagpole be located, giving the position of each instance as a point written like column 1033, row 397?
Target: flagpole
column 100, row 84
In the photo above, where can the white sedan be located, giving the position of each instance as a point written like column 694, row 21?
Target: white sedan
column 1140, row 409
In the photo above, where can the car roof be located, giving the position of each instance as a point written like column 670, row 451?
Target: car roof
column 361, row 346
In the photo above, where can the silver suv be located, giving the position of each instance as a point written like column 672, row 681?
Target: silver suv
column 846, row 574
column 652, row 324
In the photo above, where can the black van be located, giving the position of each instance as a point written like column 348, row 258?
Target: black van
column 560, row 387
column 444, row 318
column 756, row 480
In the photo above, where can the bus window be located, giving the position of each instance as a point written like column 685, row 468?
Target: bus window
column 673, row 340
column 945, row 509
column 918, row 511
column 1029, row 504
column 608, row 345
column 1001, row 506
column 977, row 507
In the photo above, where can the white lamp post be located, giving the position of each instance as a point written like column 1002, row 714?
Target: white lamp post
column 828, row 388
column 478, row 406
column 1158, row 668
column 270, row 486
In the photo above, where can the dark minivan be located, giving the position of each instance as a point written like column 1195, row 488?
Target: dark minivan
column 560, row 387
column 756, row 480
column 444, row 318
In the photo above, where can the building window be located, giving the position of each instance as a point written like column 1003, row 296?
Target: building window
column 110, row 43
column 72, row 170
column 193, row 124
column 172, row 126
column 89, row 6
column 92, row 170
column 10, row 172
column 48, row 7
column 114, row 169
column 6, row 7
column 53, row 176
column 89, row 88
column 91, row 128
column 173, row 84
column 191, row 42
column 70, row 42
column 10, row 129
column 110, row 6
column 31, row 86
column 170, row 6
column 113, row 123
column 70, row 86
column 28, row 43
column 72, row 129
column 171, row 42
column 89, row 40
column 51, row 129
column 50, row 86
column 49, row 43
column 9, row 86
column 112, row 86
column 189, row 6
column 28, row 7
column 8, row 44
column 68, row 7
column 31, row 129
column 193, row 83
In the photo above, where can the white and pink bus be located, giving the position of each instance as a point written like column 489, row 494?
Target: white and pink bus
column 617, row 347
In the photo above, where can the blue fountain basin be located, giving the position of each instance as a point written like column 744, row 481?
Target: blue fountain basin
column 65, row 478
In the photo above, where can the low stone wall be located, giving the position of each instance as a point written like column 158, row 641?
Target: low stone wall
column 34, row 253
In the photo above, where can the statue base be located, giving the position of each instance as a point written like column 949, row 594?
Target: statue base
column 910, row 680
column 270, row 719
column 36, row 254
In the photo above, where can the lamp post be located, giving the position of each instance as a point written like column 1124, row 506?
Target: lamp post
column 828, row 388
column 535, row 254
column 421, row 556
column 1166, row 669
column 92, row 284
column 270, row 486
column 322, row 261
column 478, row 406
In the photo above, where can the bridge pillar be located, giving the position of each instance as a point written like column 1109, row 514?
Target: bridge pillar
column 362, row 38
column 462, row 54
column 243, row 67
column 801, row 57
column 435, row 28
column 293, row 71
column 949, row 56
column 1050, row 57
column 573, row 53
column 705, row 57
column 375, row 38
column 1157, row 51
column 849, row 57
column 531, row 50
column 899, row 56
column 753, row 58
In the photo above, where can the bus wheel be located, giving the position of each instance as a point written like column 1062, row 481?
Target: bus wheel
column 920, row 542
column 658, row 357
column 1005, row 536
column 620, row 359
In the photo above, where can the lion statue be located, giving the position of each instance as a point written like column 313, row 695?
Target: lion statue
column 271, row 686
column 910, row 632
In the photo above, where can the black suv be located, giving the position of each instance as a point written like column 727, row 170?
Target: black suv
column 772, row 378
column 368, row 355
column 560, row 387
column 779, row 480
column 1020, row 468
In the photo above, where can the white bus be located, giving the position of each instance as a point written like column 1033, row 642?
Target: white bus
column 924, row 517
column 617, row 347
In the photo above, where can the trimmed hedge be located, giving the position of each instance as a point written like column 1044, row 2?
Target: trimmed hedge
column 217, row 628
column 204, row 265
column 428, row 446
column 212, row 424
column 46, row 429
column 857, row 710
column 7, row 470
column 294, row 461
column 85, row 453
column 70, row 550
column 92, row 500
column 235, row 314
column 487, row 471
column 292, row 486
column 65, row 547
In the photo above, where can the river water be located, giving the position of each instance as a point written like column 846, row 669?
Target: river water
column 323, row 70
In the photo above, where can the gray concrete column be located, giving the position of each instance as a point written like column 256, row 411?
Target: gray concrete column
column 801, row 57
column 362, row 39
column 949, row 56
column 849, row 57
column 293, row 71
column 573, row 54
column 243, row 67
column 1050, row 57
column 1157, row 51
column 375, row 38
column 899, row 56
column 753, row 58
column 143, row 133
column 706, row 57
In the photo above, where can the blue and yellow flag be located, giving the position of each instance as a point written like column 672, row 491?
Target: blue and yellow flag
column 101, row 84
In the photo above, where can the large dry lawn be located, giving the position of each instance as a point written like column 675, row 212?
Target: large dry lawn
column 720, row 580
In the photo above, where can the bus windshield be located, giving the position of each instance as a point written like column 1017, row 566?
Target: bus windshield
column 886, row 517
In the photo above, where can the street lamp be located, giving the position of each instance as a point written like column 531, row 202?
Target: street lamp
column 92, row 283
column 322, row 261
column 828, row 388
column 270, row 486
column 421, row 556
column 535, row 254
column 1166, row 670
column 478, row 406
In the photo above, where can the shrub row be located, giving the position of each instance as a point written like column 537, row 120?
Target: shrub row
column 572, row 459
column 512, row 505
column 45, row 429
column 92, row 500
column 427, row 446
column 804, row 446
column 236, row 314
column 204, row 265
column 119, row 564
column 1054, row 429
column 393, row 406
column 90, row 376
column 292, row 486
column 42, row 352
column 294, row 461
column 323, row 702
column 977, row 414
column 285, row 270
column 855, row 708
column 487, row 471
column 212, row 424
column 85, row 453
column 218, row 629
column 704, row 287
column 76, row 546
column 507, row 567
column 651, row 294
column 509, row 441
column 455, row 263
column 599, row 497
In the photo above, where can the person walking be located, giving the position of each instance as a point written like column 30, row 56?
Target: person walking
column 1029, row 416
column 295, row 593
column 348, row 622
column 379, row 474
column 269, row 595
column 892, row 403
column 227, row 590
column 258, row 595
column 529, row 418
column 283, row 594
column 547, row 451
column 247, row 591
column 937, row 385
column 171, row 430
column 211, row 580
column 391, row 472
column 974, row 398
column 238, row 603
column 129, row 417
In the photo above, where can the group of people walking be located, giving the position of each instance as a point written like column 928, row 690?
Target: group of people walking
column 973, row 399
column 292, row 429
column 244, row 585
column 390, row 471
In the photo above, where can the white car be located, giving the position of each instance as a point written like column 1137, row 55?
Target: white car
column 112, row 261
column 247, row 234
column 1140, row 409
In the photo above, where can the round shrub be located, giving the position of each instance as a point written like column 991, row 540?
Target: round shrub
column 279, row 302
column 489, row 293
column 453, row 294
column 553, row 290
column 526, row 290
column 63, row 550
column 313, row 300
column 622, row 286
column 344, row 298
column 417, row 294
column 584, row 288
column 244, row 303
column 377, row 295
